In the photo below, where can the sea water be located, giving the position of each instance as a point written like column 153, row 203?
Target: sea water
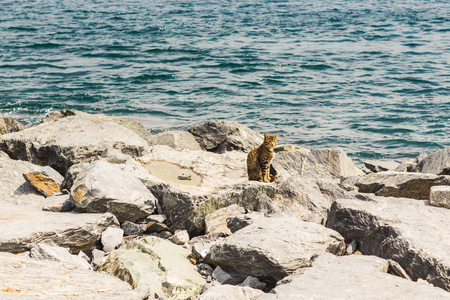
column 370, row 77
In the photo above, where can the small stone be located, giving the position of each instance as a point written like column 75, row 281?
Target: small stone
column 111, row 238
column 164, row 234
column 57, row 203
column 396, row 269
column 131, row 228
column 351, row 248
column 216, row 222
column 223, row 277
column 43, row 251
column 47, row 181
column 98, row 256
column 156, row 227
column 181, row 237
column 253, row 282
column 440, row 196
column 153, row 218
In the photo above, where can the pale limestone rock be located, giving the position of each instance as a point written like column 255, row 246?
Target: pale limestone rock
column 175, row 139
column 440, row 196
column 216, row 222
column 43, row 251
column 111, row 238
column 46, row 180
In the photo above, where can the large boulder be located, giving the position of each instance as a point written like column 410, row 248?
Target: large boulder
column 401, row 184
column 408, row 231
column 24, row 227
column 436, row 163
column 13, row 186
column 176, row 139
column 348, row 277
column 272, row 248
column 220, row 136
column 104, row 187
column 60, row 143
column 26, row 278
column 158, row 264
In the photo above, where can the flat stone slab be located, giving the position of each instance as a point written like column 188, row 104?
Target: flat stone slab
column 351, row 277
column 410, row 232
column 440, row 196
column 25, row 278
column 23, row 227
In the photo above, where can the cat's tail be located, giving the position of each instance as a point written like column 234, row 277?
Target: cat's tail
column 271, row 178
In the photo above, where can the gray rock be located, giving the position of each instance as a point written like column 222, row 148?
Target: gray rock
column 8, row 125
column 440, row 196
column 220, row 136
column 399, row 184
column 111, row 238
column 131, row 228
column 43, row 251
column 223, row 277
column 98, row 256
column 436, row 163
column 159, row 264
column 58, row 203
column 410, row 232
column 350, row 277
column 104, row 187
column 216, row 222
column 25, row 227
column 153, row 218
column 253, row 282
column 26, row 278
column 230, row 292
column 351, row 248
column 272, row 248
column 156, row 227
column 180, row 237
column 176, row 139
column 381, row 165
column 61, row 143
column 237, row 222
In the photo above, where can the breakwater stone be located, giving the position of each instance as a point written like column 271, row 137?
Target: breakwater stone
column 440, row 196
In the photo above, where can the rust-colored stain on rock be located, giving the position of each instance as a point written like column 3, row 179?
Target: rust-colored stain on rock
column 42, row 183
column 80, row 193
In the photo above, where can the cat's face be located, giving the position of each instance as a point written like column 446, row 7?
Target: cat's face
column 270, row 141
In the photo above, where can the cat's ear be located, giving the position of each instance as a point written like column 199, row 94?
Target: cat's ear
column 265, row 135
column 276, row 136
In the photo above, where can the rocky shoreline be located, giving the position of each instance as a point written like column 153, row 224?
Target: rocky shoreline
column 97, row 207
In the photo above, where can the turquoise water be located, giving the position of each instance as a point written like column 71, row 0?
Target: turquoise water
column 370, row 77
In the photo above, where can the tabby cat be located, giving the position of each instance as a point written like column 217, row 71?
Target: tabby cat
column 259, row 159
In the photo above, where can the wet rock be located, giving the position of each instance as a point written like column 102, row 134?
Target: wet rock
column 104, row 187
column 111, row 238
column 381, row 165
column 46, row 180
column 180, row 237
column 131, row 228
column 237, row 222
column 399, row 184
column 61, row 143
column 22, row 278
column 272, row 248
column 223, row 277
column 216, row 222
column 43, row 251
column 347, row 277
column 220, row 136
column 440, row 196
column 58, row 203
column 436, row 163
column 159, row 264
column 230, row 292
column 14, row 188
column 320, row 163
column 175, row 139
column 24, row 227
column 410, row 232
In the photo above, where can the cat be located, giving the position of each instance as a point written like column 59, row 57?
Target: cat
column 259, row 159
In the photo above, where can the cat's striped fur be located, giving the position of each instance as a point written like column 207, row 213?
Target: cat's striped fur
column 259, row 159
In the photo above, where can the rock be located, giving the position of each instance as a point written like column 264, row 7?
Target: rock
column 351, row 248
column 43, row 251
column 253, row 282
column 47, row 180
column 26, row 278
column 410, row 232
column 98, row 257
column 131, row 228
column 61, row 143
column 216, row 222
column 111, row 238
column 440, row 196
column 156, row 227
column 237, row 222
column 348, row 277
column 175, row 139
column 158, row 264
column 223, row 277
column 8, row 125
column 220, row 136
column 58, row 203
column 436, row 163
column 399, row 184
column 325, row 163
column 381, row 165
column 272, row 248
column 104, row 187
column 397, row 270
column 153, row 218
column 24, row 227
column 180, row 237
column 230, row 292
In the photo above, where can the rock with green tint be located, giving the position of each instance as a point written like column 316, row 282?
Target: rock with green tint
column 158, row 264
